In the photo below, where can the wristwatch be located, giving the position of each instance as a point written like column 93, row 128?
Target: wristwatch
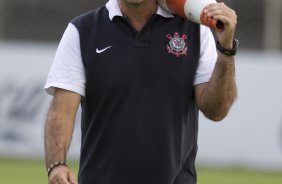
column 228, row 52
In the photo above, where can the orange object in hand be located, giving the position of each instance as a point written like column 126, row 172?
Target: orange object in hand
column 192, row 10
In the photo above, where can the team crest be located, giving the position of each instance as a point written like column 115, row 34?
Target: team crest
column 177, row 45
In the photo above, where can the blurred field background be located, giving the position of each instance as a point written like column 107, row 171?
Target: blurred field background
column 33, row 172
column 246, row 148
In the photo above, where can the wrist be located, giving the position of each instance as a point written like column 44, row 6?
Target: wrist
column 228, row 51
column 55, row 165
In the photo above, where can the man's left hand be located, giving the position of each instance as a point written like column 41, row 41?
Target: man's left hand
column 221, row 12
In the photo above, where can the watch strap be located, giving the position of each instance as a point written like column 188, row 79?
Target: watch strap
column 228, row 52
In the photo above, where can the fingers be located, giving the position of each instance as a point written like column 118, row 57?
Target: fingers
column 72, row 178
column 62, row 175
column 220, row 11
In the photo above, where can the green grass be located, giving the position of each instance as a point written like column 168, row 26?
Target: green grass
column 237, row 176
column 14, row 171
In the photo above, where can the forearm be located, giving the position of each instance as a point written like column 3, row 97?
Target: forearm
column 221, row 90
column 58, row 133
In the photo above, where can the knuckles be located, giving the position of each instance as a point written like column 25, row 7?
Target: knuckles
column 52, row 180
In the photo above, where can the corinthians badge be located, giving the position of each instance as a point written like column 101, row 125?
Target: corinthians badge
column 177, row 45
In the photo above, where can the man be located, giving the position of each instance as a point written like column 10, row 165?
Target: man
column 140, row 75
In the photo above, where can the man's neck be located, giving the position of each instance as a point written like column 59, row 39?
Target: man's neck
column 138, row 14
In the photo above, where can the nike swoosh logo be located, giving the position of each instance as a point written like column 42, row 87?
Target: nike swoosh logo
column 98, row 51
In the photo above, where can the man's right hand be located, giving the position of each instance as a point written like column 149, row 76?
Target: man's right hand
column 62, row 175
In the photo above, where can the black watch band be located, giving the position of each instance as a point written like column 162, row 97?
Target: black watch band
column 228, row 52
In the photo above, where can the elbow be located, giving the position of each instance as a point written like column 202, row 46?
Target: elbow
column 216, row 115
column 218, row 110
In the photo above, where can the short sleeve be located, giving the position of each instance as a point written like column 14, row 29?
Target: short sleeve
column 208, row 56
column 67, row 71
